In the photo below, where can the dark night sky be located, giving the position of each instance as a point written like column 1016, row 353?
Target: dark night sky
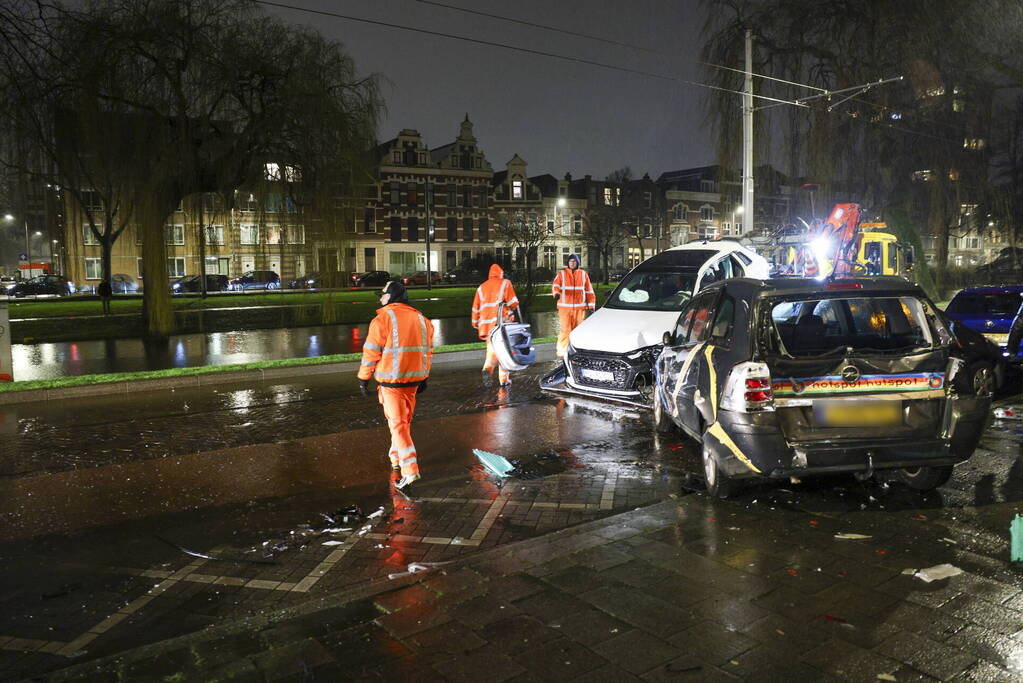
column 559, row 116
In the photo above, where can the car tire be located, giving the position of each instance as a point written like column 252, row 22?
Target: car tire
column 980, row 379
column 718, row 484
column 925, row 478
column 273, row 285
column 662, row 421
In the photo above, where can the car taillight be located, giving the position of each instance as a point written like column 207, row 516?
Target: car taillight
column 748, row 389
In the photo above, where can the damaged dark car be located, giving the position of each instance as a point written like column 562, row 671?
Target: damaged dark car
column 787, row 378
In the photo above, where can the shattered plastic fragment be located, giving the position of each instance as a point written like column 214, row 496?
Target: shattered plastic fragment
column 886, row 677
column 852, row 537
column 494, row 462
column 374, row 515
column 332, row 542
column 938, row 572
column 1008, row 413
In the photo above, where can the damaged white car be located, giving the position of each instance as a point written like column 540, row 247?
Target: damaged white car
column 611, row 354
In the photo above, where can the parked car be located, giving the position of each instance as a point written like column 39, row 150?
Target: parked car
column 372, row 278
column 318, row 280
column 986, row 365
column 191, row 283
column 988, row 310
column 121, row 283
column 611, row 354
column 7, row 283
column 256, row 279
column 419, row 278
column 793, row 377
column 56, row 285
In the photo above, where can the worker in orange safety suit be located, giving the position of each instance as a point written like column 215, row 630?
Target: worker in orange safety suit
column 485, row 307
column 397, row 354
column 574, row 294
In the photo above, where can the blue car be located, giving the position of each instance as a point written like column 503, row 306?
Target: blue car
column 988, row 310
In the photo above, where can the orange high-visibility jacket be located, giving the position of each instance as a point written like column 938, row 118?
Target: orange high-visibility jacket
column 488, row 295
column 398, row 348
column 575, row 289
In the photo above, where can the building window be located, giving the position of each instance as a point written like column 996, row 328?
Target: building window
column 395, row 229
column 973, row 143
column 175, row 267
column 369, row 221
column 958, row 105
column 681, row 212
column 467, row 196
column 726, row 228
column 249, row 233
column 396, row 156
column 452, row 191
column 413, row 197
column 925, row 175
column 395, row 193
column 708, row 232
column 484, row 198
column 422, row 158
column 550, row 226
column 452, row 229
column 91, row 201
column 517, row 189
column 608, row 196
column 972, row 243
column 89, row 237
column 577, row 224
column 706, row 213
column 647, row 200
column 93, row 268
column 174, row 234
column 706, row 186
column 138, row 267
column 484, row 230
column 413, row 229
column 467, row 229
column 214, row 234
column 550, row 257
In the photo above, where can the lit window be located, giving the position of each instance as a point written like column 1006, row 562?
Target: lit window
column 958, row 105
column 937, row 91
column 608, row 196
column 516, row 189
column 925, row 174
column 973, row 143
column 272, row 171
column 214, row 234
column 249, row 233
column 88, row 236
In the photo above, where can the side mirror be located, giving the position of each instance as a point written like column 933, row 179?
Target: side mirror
column 668, row 338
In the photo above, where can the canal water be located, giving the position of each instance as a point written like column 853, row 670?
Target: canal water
column 63, row 359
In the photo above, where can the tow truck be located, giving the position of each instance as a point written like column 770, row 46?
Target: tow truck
column 867, row 248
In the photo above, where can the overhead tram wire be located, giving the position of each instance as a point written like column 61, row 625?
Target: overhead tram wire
column 516, row 48
column 579, row 60
column 540, row 26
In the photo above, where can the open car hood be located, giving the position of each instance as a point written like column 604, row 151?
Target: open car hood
column 614, row 330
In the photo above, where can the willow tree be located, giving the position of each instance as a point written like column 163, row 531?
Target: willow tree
column 866, row 148
column 216, row 90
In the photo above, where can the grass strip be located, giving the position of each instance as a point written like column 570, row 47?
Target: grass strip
column 88, row 380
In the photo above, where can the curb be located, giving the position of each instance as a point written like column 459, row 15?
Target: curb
column 644, row 518
column 544, row 352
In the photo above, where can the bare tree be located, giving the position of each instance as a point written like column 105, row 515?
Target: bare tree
column 526, row 230
column 216, row 89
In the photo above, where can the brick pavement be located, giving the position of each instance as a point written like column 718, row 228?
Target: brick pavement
column 686, row 589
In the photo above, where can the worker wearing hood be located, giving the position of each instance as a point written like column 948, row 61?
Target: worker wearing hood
column 574, row 293
column 486, row 310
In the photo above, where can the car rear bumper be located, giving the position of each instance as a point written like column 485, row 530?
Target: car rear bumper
column 754, row 445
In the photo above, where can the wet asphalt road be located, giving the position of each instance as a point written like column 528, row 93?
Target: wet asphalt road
column 102, row 483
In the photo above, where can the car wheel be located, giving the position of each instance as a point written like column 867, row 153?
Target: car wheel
column 980, row 378
column 718, row 484
column 273, row 285
column 662, row 421
column 925, row 478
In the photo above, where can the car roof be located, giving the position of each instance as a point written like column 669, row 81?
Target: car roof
column 784, row 286
column 992, row 289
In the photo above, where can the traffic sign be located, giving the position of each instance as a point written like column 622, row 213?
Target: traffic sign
column 22, row 257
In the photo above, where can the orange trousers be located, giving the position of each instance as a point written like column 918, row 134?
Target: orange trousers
column 491, row 362
column 399, row 404
column 570, row 318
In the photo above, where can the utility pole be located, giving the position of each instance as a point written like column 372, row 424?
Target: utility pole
column 428, row 186
column 747, row 140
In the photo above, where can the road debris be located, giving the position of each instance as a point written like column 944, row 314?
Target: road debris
column 852, row 537
column 494, row 462
column 374, row 515
column 1008, row 413
column 332, row 543
column 1016, row 537
column 215, row 558
column 416, row 567
column 937, row 572
column 886, row 677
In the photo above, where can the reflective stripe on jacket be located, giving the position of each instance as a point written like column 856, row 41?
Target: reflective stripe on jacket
column 574, row 288
column 488, row 295
column 398, row 348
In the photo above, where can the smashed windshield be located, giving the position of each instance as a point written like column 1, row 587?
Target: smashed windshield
column 822, row 326
column 653, row 291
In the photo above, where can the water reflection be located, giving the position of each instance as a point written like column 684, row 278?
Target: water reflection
column 44, row 361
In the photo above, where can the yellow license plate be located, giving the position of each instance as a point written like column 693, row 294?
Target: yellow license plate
column 851, row 413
